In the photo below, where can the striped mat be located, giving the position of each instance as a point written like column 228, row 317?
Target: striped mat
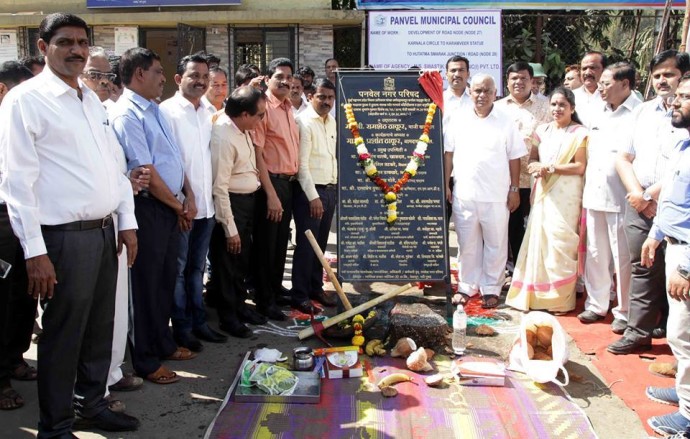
column 350, row 408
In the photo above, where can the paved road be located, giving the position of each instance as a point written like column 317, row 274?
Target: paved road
column 184, row 410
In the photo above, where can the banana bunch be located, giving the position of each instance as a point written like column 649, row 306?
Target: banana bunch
column 375, row 347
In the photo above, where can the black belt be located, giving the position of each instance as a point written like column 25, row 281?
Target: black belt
column 325, row 186
column 234, row 194
column 675, row 241
column 78, row 226
column 148, row 194
column 283, row 176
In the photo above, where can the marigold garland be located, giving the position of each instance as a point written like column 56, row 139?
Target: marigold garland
column 366, row 161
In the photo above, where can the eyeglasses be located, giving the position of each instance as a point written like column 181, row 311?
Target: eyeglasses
column 95, row 75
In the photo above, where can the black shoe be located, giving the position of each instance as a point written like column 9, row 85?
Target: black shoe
column 189, row 341
column 659, row 333
column 589, row 317
column 207, row 334
column 324, row 299
column 109, row 421
column 235, row 328
column 284, row 291
column 248, row 315
column 282, row 300
column 272, row 312
column 306, row 307
column 618, row 326
column 628, row 345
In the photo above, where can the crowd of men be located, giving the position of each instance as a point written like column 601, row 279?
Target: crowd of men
column 93, row 166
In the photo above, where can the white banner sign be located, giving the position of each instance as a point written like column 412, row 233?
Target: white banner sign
column 426, row 39
column 8, row 45
column 125, row 38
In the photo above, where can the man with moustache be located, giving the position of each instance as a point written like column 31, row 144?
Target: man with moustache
column 190, row 121
column 588, row 99
column 17, row 309
column 604, row 199
column 235, row 187
column 54, row 129
column 456, row 97
column 672, row 224
column 641, row 166
column 98, row 77
column 167, row 206
column 528, row 111
column 483, row 141
column 276, row 139
column 296, row 93
column 217, row 88
column 316, row 197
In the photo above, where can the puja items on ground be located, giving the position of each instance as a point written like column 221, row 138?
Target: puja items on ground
column 271, row 379
column 344, row 364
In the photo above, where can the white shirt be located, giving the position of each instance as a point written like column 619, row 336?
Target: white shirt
column 57, row 160
column 317, row 156
column 107, row 104
column 452, row 105
column 482, row 149
column 587, row 104
column 651, row 140
column 191, row 129
column 302, row 107
column 604, row 190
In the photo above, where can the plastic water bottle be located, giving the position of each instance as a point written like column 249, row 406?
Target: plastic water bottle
column 459, row 330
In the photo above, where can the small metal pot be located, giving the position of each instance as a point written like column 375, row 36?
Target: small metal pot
column 303, row 358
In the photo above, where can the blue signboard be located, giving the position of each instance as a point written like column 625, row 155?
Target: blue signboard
column 510, row 4
column 157, row 3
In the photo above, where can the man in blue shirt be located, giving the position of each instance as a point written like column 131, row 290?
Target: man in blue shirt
column 672, row 223
column 161, row 211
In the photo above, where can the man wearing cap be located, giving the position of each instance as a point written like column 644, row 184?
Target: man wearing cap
column 538, row 80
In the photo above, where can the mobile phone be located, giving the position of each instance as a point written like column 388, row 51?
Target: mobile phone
column 5, row 268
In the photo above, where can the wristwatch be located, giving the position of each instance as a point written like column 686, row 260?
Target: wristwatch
column 684, row 272
column 646, row 196
column 551, row 169
column 514, row 189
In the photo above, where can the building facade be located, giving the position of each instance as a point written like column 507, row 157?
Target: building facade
column 253, row 31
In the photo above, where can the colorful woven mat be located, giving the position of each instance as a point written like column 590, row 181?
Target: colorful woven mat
column 351, row 408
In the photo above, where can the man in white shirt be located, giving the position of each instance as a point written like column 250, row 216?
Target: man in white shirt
column 190, row 121
column 641, row 166
column 588, row 99
column 296, row 93
column 98, row 74
column 483, row 147
column 54, row 129
column 528, row 111
column 317, row 195
column 604, row 199
column 455, row 97
column 217, row 88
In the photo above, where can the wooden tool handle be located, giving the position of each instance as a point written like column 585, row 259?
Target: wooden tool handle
column 308, row 332
column 329, row 271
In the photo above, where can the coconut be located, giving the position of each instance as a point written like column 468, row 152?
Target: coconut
column 544, row 335
column 404, row 347
column 417, row 361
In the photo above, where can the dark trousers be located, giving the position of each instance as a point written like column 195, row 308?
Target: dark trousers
column 516, row 223
column 307, row 272
column 648, row 303
column 75, row 347
column 17, row 308
column 230, row 270
column 153, row 279
column 269, row 248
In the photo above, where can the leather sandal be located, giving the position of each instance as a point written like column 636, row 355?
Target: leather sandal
column 181, row 354
column 490, row 301
column 163, row 376
column 10, row 399
column 24, row 372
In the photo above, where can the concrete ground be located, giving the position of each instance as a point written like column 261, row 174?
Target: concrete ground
column 185, row 409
